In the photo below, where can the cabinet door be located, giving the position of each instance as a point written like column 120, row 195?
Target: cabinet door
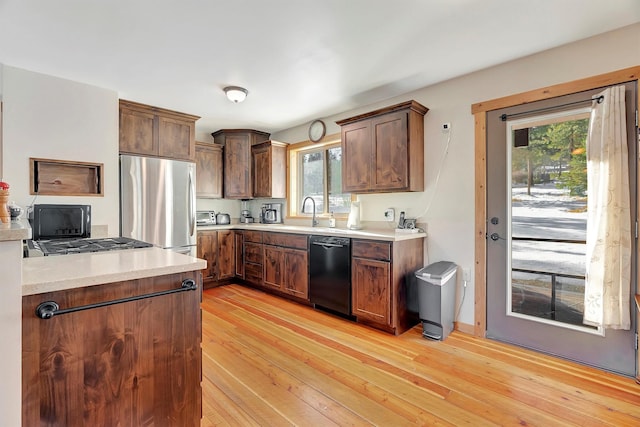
column 390, row 155
column 208, row 171
column 207, row 250
column 176, row 139
column 296, row 280
column 356, row 157
column 226, row 254
column 237, row 167
column 239, row 250
column 370, row 282
column 136, row 363
column 137, row 133
column 261, row 170
column 274, row 266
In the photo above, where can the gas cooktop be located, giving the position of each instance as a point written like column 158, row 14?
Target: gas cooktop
column 79, row 246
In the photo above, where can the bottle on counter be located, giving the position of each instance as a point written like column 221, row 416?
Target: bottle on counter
column 332, row 221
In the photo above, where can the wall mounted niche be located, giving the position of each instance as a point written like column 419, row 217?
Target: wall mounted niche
column 65, row 178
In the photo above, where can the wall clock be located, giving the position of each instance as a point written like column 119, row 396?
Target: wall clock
column 317, row 130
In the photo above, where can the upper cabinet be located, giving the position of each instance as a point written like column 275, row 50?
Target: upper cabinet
column 208, row 170
column 238, row 174
column 383, row 150
column 269, row 169
column 153, row 131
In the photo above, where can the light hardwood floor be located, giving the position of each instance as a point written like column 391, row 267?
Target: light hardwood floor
column 271, row 362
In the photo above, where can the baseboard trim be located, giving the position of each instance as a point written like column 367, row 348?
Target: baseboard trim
column 464, row 327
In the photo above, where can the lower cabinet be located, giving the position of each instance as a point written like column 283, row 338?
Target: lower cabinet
column 226, row 254
column 135, row 363
column 370, row 284
column 287, row 270
column 296, row 281
column 286, row 263
column 208, row 251
column 239, row 254
column 217, row 247
column 380, row 274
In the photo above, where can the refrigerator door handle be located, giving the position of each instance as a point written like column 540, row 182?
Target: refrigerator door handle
column 192, row 202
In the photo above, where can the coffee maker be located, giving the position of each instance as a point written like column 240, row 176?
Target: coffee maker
column 271, row 213
column 245, row 214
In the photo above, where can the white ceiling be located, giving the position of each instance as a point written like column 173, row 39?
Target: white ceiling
column 299, row 59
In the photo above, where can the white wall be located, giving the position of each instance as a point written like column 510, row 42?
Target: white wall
column 450, row 217
column 11, row 333
column 53, row 118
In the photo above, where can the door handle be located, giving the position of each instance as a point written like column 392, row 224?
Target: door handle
column 495, row 237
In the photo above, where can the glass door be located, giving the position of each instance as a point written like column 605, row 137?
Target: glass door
column 537, row 221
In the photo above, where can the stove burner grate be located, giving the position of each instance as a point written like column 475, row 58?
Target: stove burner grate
column 78, row 246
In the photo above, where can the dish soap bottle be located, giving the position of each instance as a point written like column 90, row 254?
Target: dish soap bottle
column 332, row 221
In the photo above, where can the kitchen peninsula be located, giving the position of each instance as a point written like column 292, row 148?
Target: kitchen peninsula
column 130, row 353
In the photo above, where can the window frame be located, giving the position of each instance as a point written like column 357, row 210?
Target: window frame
column 294, row 178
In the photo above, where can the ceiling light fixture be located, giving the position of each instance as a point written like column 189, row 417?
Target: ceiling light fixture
column 236, row 93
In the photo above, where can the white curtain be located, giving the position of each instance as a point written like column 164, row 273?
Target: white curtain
column 608, row 276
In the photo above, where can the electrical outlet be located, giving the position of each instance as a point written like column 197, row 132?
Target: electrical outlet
column 390, row 215
column 446, row 127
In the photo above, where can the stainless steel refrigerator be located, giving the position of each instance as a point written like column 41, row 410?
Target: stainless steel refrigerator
column 158, row 202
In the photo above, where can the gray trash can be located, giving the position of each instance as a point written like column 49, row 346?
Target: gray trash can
column 437, row 299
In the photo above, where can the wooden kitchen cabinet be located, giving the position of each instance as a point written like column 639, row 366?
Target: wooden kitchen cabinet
column 207, row 242
column 208, row 170
column 380, row 272
column 371, row 288
column 383, row 151
column 269, row 169
column 129, row 364
column 239, row 251
column 226, row 254
column 217, row 247
column 286, row 263
column 238, row 180
column 253, row 257
column 296, row 280
column 152, row 131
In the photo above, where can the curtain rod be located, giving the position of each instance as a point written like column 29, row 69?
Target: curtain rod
column 598, row 99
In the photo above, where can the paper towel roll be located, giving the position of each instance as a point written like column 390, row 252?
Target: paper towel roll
column 353, row 222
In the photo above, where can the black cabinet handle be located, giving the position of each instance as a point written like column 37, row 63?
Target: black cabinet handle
column 48, row 309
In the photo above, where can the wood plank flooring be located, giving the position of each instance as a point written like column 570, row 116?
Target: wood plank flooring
column 271, row 362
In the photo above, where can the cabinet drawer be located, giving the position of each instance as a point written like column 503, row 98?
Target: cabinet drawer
column 371, row 250
column 297, row 241
column 253, row 252
column 253, row 236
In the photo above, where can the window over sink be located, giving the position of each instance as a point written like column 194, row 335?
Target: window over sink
column 316, row 172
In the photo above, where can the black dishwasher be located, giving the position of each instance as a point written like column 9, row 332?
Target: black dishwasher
column 330, row 273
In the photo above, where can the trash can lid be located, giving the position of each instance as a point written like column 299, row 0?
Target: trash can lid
column 438, row 271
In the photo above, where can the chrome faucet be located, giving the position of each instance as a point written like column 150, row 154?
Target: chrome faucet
column 314, row 221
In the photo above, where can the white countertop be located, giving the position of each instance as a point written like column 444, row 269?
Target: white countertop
column 372, row 234
column 55, row 273
column 15, row 230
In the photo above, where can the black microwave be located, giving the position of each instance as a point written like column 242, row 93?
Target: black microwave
column 60, row 222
